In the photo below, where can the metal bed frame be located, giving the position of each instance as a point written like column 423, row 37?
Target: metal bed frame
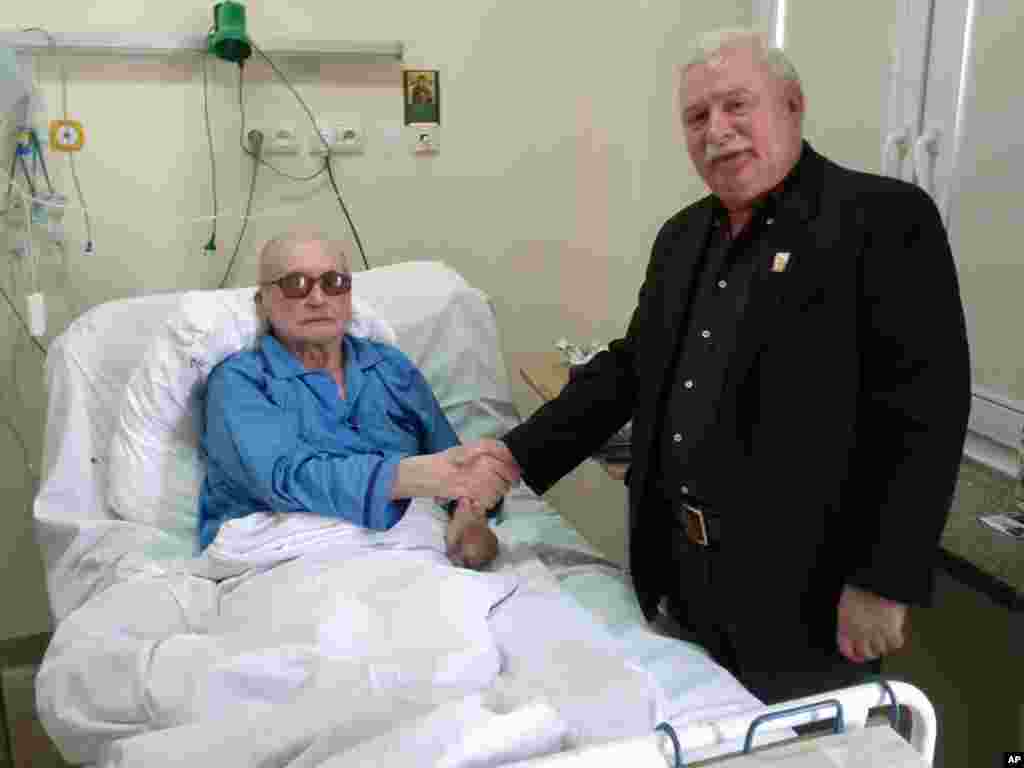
column 848, row 708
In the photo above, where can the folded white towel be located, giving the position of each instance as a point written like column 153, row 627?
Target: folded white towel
column 264, row 539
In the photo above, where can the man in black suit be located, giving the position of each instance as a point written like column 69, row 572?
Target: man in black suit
column 797, row 374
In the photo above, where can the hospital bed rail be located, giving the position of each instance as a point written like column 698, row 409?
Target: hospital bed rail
column 850, row 708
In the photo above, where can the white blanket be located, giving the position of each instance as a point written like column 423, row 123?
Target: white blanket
column 361, row 649
column 265, row 539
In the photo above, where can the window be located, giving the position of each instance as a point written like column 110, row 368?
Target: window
column 934, row 101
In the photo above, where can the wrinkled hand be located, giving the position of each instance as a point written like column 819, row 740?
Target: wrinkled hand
column 483, row 471
column 470, row 541
column 870, row 626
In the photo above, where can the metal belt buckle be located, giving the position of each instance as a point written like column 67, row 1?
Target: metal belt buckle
column 696, row 530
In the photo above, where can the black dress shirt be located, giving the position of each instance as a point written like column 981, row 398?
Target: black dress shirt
column 696, row 443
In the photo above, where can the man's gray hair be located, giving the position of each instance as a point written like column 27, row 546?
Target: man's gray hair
column 707, row 45
column 275, row 251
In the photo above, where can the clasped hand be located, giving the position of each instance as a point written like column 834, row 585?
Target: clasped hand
column 469, row 540
column 870, row 626
column 482, row 473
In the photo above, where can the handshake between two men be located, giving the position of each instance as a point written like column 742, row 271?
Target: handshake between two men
column 476, row 476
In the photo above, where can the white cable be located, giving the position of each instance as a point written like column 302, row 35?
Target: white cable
column 27, row 206
column 266, row 213
column 81, row 199
column 30, row 254
column 33, row 269
column 88, row 213
column 63, row 71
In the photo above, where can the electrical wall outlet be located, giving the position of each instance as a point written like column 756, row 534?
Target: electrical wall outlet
column 280, row 139
column 350, row 139
column 425, row 139
column 342, row 136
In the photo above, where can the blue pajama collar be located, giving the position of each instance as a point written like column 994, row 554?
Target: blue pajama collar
column 284, row 365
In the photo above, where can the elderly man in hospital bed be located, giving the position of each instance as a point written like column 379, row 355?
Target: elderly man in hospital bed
column 318, row 421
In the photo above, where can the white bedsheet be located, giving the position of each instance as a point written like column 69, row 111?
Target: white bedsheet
column 360, row 647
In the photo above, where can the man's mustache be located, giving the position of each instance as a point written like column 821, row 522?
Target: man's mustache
column 714, row 151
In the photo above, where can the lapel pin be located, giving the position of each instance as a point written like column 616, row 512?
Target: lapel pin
column 781, row 260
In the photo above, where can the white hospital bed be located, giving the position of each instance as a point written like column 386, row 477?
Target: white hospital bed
column 565, row 668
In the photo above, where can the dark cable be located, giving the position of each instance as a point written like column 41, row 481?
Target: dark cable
column 212, row 244
column 12, row 387
column 10, row 182
column 295, row 93
column 241, row 108
column 344, row 209
column 257, row 140
column 30, row 486
column 14, row 157
column 13, row 391
column 327, row 151
column 81, row 200
column 246, row 150
column 6, row 421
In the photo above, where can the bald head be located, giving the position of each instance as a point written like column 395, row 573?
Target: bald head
column 318, row 319
column 276, row 254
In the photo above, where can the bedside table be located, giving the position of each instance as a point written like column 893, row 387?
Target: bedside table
column 547, row 373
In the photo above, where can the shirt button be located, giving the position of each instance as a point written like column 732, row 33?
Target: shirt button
column 722, row 283
column 685, row 490
column 706, row 334
column 688, row 383
column 770, row 221
column 677, row 438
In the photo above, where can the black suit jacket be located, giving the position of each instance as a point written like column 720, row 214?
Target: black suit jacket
column 852, row 376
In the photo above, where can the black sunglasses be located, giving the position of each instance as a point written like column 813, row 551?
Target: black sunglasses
column 296, row 285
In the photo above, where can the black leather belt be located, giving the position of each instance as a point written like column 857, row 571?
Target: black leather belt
column 702, row 528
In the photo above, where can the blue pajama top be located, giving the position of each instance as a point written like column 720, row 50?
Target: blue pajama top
column 278, row 437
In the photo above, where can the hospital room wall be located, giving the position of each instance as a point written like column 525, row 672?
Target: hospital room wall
column 560, row 157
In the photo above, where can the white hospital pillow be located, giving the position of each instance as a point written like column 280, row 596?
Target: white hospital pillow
column 155, row 470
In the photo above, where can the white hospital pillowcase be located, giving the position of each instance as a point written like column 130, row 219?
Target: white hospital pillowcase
column 155, row 469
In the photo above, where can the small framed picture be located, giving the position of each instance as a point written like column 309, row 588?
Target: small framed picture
column 422, row 89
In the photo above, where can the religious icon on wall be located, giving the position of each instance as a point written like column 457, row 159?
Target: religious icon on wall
column 422, row 90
